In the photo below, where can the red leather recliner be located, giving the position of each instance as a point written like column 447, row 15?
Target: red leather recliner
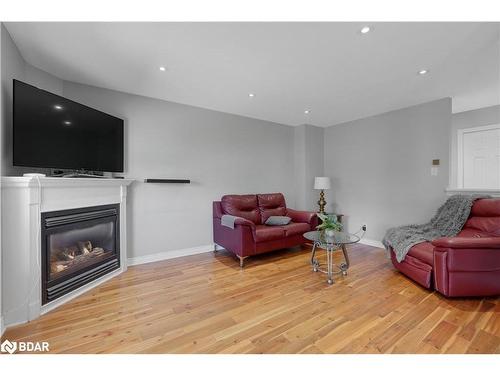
column 465, row 265
column 250, row 236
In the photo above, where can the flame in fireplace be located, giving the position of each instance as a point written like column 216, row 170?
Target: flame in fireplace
column 67, row 257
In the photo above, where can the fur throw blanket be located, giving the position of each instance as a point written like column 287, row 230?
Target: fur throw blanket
column 448, row 222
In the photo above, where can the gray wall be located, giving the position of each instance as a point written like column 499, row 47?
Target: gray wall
column 308, row 163
column 464, row 120
column 381, row 165
column 2, row 28
column 14, row 67
column 220, row 153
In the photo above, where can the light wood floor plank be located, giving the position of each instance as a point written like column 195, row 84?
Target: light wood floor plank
column 206, row 304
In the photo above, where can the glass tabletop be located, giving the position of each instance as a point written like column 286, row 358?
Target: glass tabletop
column 338, row 238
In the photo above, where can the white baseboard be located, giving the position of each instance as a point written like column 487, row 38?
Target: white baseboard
column 375, row 243
column 205, row 249
column 170, row 254
column 2, row 327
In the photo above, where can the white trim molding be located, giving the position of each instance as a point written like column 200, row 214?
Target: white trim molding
column 61, row 182
column 2, row 326
column 460, row 149
column 493, row 192
column 374, row 243
column 23, row 201
column 171, row 254
column 165, row 255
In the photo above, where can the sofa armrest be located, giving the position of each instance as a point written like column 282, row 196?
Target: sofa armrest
column 308, row 217
column 245, row 222
column 467, row 243
column 240, row 240
column 217, row 210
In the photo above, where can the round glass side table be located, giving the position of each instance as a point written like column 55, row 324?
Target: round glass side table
column 337, row 241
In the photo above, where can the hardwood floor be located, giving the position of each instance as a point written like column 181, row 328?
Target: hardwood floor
column 276, row 304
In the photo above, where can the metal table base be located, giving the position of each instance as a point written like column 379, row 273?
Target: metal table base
column 330, row 248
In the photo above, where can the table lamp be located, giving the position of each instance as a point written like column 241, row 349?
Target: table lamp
column 322, row 183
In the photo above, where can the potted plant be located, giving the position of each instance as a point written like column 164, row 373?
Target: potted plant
column 329, row 225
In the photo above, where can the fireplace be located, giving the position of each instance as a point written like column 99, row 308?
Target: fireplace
column 78, row 246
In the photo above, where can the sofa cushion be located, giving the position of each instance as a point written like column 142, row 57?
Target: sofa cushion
column 271, row 205
column 486, row 208
column 265, row 233
column 484, row 217
column 244, row 206
column 423, row 251
column 484, row 224
column 293, row 229
column 469, row 232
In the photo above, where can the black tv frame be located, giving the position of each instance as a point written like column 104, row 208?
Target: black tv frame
column 75, row 169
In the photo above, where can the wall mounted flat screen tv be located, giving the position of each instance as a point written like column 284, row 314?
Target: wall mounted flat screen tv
column 54, row 132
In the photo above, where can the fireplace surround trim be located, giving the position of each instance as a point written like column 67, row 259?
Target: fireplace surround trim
column 24, row 199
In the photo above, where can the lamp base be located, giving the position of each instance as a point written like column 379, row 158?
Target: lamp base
column 322, row 202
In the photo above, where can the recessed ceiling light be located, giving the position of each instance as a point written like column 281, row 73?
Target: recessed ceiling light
column 67, row 122
column 307, row 111
column 58, row 107
column 251, row 95
column 423, row 71
column 162, row 68
column 365, row 29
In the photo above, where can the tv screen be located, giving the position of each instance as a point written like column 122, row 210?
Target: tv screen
column 53, row 132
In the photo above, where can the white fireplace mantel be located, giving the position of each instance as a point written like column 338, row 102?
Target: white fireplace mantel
column 23, row 201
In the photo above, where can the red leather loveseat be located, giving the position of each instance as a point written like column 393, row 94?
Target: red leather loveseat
column 465, row 265
column 250, row 236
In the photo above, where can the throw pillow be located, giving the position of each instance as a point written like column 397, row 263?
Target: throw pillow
column 278, row 220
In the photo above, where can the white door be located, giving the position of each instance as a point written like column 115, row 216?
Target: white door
column 481, row 158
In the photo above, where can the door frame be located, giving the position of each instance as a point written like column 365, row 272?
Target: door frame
column 460, row 148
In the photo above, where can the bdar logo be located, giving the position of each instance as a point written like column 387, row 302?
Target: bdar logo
column 8, row 347
column 24, row 346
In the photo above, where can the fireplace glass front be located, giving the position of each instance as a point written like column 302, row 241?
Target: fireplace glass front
column 78, row 246
column 73, row 250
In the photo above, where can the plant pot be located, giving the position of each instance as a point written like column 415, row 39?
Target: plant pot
column 329, row 233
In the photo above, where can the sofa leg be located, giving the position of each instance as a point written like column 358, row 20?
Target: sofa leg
column 215, row 247
column 242, row 260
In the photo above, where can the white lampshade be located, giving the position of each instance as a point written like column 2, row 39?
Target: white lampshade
column 321, row 183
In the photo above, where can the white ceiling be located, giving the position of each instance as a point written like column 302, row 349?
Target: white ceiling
column 330, row 68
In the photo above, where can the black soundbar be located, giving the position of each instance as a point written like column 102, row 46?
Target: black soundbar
column 166, row 181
